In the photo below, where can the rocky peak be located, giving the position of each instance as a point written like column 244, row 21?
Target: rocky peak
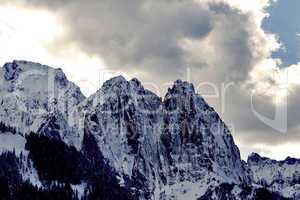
column 61, row 78
column 29, row 91
column 278, row 176
column 17, row 66
column 181, row 88
column 182, row 96
column 254, row 158
column 291, row 161
column 195, row 136
column 12, row 71
column 137, row 85
column 184, row 85
column 119, row 84
column 118, row 92
column 114, row 82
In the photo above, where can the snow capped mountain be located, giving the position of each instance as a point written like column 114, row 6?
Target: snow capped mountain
column 37, row 98
column 30, row 91
column 278, row 176
column 170, row 144
column 196, row 137
column 197, row 145
column 123, row 119
column 123, row 142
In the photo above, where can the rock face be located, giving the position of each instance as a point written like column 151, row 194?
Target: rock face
column 123, row 142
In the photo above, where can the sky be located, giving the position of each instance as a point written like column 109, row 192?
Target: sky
column 284, row 21
column 242, row 56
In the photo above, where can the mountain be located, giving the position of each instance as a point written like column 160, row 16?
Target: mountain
column 278, row 176
column 123, row 142
column 30, row 93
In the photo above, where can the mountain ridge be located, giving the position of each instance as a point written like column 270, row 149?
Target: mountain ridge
column 125, row 137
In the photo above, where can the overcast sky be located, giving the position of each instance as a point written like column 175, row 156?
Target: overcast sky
column 242, row 56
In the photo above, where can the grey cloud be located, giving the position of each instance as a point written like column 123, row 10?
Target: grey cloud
column 146, row 35
column 136, row 33
column 250, row 129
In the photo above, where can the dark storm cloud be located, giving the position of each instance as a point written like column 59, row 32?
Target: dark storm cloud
column 134, row 33
column 147, row 35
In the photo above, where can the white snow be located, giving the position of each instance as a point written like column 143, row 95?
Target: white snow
column 10, row 142
column 80, row 189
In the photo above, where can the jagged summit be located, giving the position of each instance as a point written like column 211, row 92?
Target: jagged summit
column 22, row 75
column 121, row 84
column 31, row 75
column 185, row 85
column 13, row 69
column 255, row 158
column 291, row 161
column 180, row 87
column 118, row 80
column 278, row 176
column 29, row 91
column 29, row 65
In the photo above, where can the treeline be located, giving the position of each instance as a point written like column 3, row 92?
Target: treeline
column 56, row 192
column 12, row 186
column 57, row 162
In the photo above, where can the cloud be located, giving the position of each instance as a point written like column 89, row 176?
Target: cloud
column 154, row 37
column 135, row 34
